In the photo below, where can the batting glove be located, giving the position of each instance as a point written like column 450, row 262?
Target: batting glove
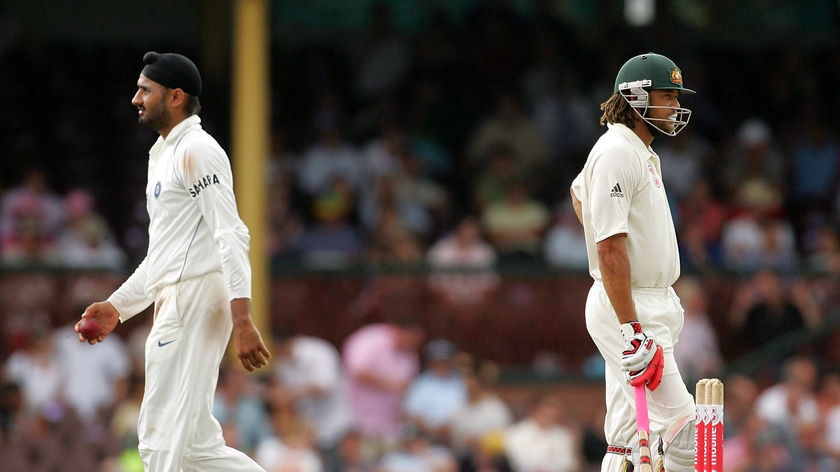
column 642, row 358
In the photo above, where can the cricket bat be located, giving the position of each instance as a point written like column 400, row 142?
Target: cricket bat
column 643, row 425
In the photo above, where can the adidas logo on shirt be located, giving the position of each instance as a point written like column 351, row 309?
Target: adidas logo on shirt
column 616, row 191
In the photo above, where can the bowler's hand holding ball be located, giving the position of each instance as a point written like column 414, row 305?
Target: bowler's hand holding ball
column 98, row 320
column 89, row 328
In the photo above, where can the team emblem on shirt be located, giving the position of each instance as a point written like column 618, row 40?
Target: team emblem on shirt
column 656, row 180
column 616, row 191
column 203, row 183
column 157, row 189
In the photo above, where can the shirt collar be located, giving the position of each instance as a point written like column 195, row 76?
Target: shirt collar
column 633, row 139
column 181, row 128
column 177, row 133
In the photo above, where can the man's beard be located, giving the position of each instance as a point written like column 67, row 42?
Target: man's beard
column 156, row 118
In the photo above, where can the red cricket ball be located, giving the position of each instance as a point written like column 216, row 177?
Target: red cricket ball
column 89, row 328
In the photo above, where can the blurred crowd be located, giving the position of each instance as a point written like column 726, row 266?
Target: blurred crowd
column 388, row 399
column 449, row 147
column 384, row 143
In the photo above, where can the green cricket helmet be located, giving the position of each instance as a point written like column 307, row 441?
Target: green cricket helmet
column 655, row 70
column 651, row 71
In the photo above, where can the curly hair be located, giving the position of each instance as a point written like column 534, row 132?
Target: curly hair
column 617, row 110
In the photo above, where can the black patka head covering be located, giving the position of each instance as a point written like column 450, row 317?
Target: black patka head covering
column 172, row 71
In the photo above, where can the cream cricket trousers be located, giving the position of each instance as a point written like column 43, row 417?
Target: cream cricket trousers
column 660, row 314
column 188, row 339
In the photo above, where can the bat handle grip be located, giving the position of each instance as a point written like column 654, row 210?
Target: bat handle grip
column 642, row 418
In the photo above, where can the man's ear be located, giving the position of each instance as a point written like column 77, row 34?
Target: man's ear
column 179, row 97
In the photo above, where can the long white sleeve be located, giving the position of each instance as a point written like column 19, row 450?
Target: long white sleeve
column 131, row 297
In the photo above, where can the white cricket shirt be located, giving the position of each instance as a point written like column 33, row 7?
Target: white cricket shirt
column 621, row 191
column 194, row 225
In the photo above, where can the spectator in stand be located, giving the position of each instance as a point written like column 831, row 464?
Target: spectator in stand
column 417, row 452
column 421, row 203
column 123, row 426
column 31, row 204
column 332, row 240
column 824, row 257
column 351, row 455
column 564, row 245
column 516, row 225
column 488, row 456
column 381, row 154
column 811, row 453
column 416, row 184
column 86, row 240
column 309, row 373
column 285, row 223
column 698, row 352
column 382, row 57
column 757, row 446
column 464, row 249
column 753, row 155
column 815, row 169
column 436, row 393
column 484, row 414
column 761, row 312
column 702, row 216
column 290, row 446
column 791, row 403
column 331, row 157
column 391, row 239
column 380, row 361
column 764, row 309
column 30, row 223
column 387, row 196
column 554, row 94
column 50, row 439
column 510, row 125
column 12, row 412
column 239, row 406
column 540, row 442
column 829, row 401
column 593, row 440
column 688, row 159
column 741, row 392
column 30, row 246
column 493, row 174
column 37, row 372
column 759, row 234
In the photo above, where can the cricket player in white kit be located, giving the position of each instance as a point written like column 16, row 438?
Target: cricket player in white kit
column 632, row 313
column 196, row 273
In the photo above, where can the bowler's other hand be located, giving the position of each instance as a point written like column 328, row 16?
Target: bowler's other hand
column 107, row 316
column 250, row 348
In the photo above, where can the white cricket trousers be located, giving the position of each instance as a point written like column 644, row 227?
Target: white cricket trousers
column 660, row 314
column 189, row 337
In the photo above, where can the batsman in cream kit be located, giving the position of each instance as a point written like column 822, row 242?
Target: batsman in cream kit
column 196, row 273
column 632, row 313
